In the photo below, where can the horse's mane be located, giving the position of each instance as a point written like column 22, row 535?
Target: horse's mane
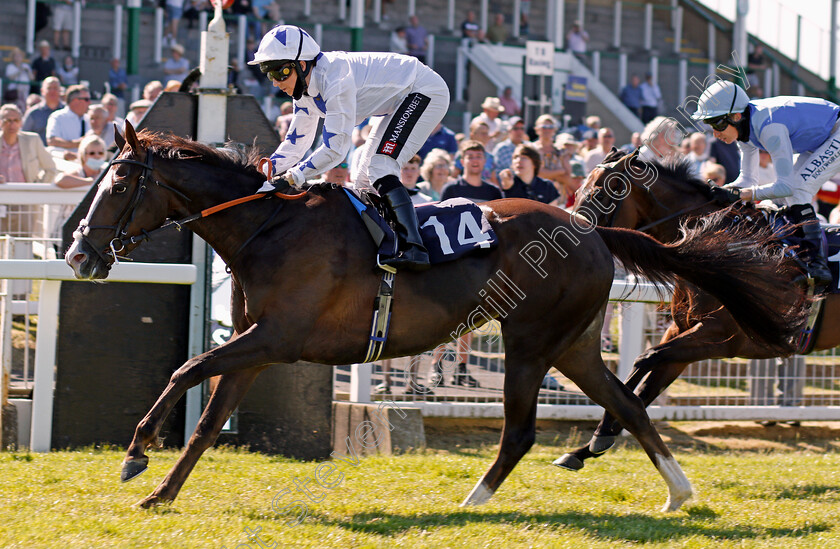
column 232, row 157
column 681, row 170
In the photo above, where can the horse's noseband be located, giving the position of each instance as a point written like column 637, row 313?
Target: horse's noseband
column 121, row 239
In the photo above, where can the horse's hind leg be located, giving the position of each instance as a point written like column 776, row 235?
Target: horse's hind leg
column 521, row 389
column 225, row 398
column 588, row 371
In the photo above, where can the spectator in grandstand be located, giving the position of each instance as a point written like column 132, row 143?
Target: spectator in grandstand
column 66, row 127
column 137, row 110
column 177, row 67
column 651, row 98
column 43, row 66
column 635, row 143
column 23, row 157
column 566, row 142
column 491, row 108
column 174, row 12
column 68, row 72
column 417, row 39
column 472, row 184
column 728, row 156
column 766, row 171
column 756, row 63
column 112, row 104
column 498, row 31
column 606, row 140
column 36, row 118
column 33, row 100
column 398, row 42
column 91, row 158
column 503, row 153
column 589, row 142
column 470, row 28
column 117, row 79
column 285, row 119
column 661, row 137
column 698, row 151
column 437, row 173
column 523, row 181
column 509, row 104
column 338, row 174
column 631, row 95
column 409, row 174
column 20, row 76
column 714, row 173
column 555, row 165
column 62, row 23
column 99, row 125
column 577, row 38
column 480, row 133
column 440, row 138
column 151, row 90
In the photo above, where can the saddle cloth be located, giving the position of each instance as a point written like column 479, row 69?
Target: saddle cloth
column 832, row 250
column 449, row 229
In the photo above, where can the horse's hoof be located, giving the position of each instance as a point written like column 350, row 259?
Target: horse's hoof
column 600, row 444
column 132, row 468
column 675, row 501
column 152, row 501
column 480, row 494
column 569, row 461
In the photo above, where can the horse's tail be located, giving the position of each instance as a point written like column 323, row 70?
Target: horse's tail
column 735, row 263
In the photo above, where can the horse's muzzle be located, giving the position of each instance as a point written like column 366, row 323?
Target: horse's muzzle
column 86, row 265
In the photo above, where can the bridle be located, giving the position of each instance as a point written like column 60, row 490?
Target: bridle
column 619, row 201
column 121, row 239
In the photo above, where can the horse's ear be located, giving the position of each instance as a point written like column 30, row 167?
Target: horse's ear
column 132, row 141
column 118, row 138
column 625, row 160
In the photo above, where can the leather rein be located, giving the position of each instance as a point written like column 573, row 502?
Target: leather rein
column 618, row 202
column 121, row 239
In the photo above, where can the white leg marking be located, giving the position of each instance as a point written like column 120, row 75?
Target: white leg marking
column 679, row 488
column 479, row 495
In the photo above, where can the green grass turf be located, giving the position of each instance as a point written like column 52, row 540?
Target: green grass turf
column 743, row 499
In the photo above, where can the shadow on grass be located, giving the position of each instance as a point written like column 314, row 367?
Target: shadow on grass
column 624, row 527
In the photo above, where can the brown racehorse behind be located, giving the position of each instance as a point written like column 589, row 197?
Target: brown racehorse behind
column 626, row 192
column 305, row 284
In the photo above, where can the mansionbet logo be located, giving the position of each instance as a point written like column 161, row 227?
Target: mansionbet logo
column 388, row 147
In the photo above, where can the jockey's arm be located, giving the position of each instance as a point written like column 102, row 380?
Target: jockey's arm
column 776, row 139
column 339, row 122
column 298, row 140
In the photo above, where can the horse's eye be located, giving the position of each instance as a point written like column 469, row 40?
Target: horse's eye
column 118, row 188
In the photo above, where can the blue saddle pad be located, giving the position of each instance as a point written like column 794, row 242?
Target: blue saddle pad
column 449, row 229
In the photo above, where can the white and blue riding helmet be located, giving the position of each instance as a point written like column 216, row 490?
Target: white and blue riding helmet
column 280, row 52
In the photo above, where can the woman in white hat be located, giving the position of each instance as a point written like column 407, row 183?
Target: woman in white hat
column 344, row 88
column 781, row 126
column 177, row 67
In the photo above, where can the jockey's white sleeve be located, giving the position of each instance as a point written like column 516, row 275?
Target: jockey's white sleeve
column 299, row 137
column 776, row 139
column 749, row 167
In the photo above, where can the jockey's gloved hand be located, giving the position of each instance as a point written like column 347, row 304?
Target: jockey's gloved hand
column 725, row 195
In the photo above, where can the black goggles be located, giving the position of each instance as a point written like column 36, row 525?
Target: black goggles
column 280, row 73
column 719, row 123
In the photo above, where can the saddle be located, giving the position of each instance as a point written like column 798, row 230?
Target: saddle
column 449, row 229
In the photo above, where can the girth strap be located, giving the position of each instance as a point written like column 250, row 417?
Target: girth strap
column 381, row 317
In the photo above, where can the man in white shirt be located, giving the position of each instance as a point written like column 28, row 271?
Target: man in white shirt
column 651, row 96
column 66, row 127
column 606, row 140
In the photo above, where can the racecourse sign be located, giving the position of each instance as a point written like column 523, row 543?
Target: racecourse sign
column 539, row 58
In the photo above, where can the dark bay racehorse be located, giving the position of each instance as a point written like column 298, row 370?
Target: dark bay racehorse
column 626, row 192
column 304, row 288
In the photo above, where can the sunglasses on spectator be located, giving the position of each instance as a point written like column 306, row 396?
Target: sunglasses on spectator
column 519, row 128
column 96, row 153
column 342, row 165
column 719, row 123
column 9, row 120
column 82, row 98
column 546, row 127
column 608, row 135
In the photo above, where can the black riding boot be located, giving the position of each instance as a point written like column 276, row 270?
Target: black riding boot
column 414, row 257
column 811, row 253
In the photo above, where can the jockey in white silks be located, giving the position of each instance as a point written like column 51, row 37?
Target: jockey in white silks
column 344, row 88
column 781, row 126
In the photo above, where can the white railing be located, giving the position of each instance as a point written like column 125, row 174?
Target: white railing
column 52, row 273
column 733, row 389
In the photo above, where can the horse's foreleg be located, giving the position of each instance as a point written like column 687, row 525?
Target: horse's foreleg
column 522, row 387
column 249, row 350
column 225, row 398
column 606, row 390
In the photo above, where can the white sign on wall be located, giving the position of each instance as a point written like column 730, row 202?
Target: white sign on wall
column 539, row 58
